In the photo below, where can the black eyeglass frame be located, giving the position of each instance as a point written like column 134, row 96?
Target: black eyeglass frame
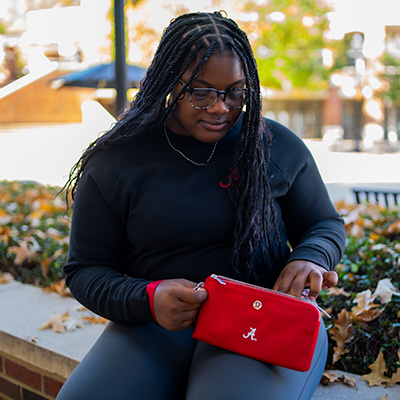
column 219, row 92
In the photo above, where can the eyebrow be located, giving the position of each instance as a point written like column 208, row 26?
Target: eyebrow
column 209, row 84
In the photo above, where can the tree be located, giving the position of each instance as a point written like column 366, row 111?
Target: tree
column 288, row 38
column 391, row 78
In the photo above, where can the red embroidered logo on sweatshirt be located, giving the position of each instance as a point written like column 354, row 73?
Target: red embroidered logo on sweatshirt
column 233, row 176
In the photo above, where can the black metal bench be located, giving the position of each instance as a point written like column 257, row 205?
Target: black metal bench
column 387, row 198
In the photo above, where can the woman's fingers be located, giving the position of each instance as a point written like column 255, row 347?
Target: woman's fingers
column 176, row 304
column 299, row 274
column 331, row 279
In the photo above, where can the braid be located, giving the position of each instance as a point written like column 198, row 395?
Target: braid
column 189, row 41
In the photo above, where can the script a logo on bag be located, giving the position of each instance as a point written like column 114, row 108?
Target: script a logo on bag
column 257, row 305
column 251, row 334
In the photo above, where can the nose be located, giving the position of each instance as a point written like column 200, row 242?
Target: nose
column 219, row 107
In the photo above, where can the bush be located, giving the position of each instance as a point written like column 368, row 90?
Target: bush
column 372, row 255
column 34, row 232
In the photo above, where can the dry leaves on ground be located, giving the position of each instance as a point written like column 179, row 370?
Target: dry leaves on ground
column 6, row 277
column 60, row 323
column 95, row 320
column 365, row 310
column 377, row 376
column 396, row 376
column 342, row 333
column 334, row 376
column 335, row 291
column 59, row 287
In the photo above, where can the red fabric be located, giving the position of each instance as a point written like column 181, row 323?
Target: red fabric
column 150, row 289
column 283, row 331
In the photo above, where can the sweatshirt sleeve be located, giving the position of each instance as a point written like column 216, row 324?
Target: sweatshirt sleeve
column 316, row 232
column 98, row 245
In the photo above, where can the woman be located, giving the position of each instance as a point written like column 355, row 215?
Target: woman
column 185, row 185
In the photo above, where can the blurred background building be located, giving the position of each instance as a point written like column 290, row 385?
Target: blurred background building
column 330, row 69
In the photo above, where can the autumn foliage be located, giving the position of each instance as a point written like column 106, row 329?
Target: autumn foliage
column 364, row 331
column 34, row 232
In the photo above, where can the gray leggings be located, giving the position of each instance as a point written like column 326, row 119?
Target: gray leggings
column 150, row 363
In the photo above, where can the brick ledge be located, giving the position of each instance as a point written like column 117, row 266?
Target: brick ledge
column 24, row 308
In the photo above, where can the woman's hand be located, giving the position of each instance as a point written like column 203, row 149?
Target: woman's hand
column 176, row 304
column 299, row 274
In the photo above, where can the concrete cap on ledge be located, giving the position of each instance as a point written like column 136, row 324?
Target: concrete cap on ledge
column 24, row 308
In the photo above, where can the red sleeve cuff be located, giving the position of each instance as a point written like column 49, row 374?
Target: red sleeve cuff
column 150, row 289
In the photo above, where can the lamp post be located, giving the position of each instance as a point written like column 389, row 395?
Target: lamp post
column 120, row 56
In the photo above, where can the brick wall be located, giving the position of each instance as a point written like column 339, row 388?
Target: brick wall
column 38, row 102
column 21, row 381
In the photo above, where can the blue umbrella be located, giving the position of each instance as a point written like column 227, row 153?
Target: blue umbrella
column 101, row 76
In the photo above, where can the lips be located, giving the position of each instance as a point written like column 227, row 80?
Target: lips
column 214, row 125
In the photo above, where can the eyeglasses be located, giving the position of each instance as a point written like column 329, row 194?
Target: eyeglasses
column 206, row 98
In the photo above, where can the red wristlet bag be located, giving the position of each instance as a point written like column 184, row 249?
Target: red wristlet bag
column 259, row 323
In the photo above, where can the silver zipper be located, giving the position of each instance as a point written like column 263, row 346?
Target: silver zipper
column 218, row 279
column 304, row 298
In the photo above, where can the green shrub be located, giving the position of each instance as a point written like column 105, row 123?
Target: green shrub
column 372, row 254
column 34, row 232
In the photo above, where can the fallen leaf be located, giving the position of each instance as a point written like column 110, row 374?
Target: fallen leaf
column 333, row 376
column 394, row 227
column 95, row 320
column 72, row 324
column 80, row 307
column 6, row 277
column 367, row 315
column 328, row 377
column 335, row 291
column 384, row 398
column 56, row 323
column 58, row 287
column 342, row 333
column 60, row 323
column 365, row 301
column 385, row 290
column 356, row 231
column 4, row 231
column 395, row 378
column 24, row 251
column 373, row 236
column 46, row 264
column 378, row 368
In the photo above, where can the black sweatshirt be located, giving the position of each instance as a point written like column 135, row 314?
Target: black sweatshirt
column 142, row 213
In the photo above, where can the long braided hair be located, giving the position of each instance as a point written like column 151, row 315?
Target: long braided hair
column 189, row 39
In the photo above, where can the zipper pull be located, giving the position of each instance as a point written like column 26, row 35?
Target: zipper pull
column 305, row 297
column 218, row 279
column 322, row 310
column 199, row 286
